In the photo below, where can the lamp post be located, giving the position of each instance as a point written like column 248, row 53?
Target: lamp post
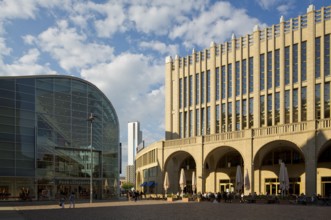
column 91, row 119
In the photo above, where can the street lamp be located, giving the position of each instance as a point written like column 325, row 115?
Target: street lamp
column 91, row 119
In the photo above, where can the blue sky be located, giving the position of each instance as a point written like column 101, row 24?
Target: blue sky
column 121, row 45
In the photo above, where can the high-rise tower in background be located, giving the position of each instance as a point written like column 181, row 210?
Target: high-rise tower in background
column 134, row 142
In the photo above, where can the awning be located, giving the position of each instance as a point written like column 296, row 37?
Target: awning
column 150, row 183
column 143, row 184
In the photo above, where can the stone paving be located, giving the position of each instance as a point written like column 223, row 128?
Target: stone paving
column 159, row 209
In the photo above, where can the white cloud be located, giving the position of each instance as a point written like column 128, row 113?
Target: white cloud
column 71, row 49
column 282, row 6
column 30, row 58
column 159, row 47
column 267, row 4
column 134, row 85
column 216, row 24
column 4, row 50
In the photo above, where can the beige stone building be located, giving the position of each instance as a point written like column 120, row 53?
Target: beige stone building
column 254, row 101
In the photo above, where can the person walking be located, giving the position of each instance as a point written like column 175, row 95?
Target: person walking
column 62, row 202
column 72, row 200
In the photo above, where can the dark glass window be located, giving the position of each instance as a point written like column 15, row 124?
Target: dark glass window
column 244, row 113
column 327, row 55
column 197, row 122
column 217, row 97
column 8, row 84
column 295, row 106
column 303, row 103
column 191, row 90
column 237, row 115
column 269, row 110
column 7, row 94
column 303, row 61
column 287, row 106
column 277, row 108
column 287, row 65
column 229, row 116
column 180, row 93
column 208, row 86
column 197, row 88
column 295, row 63
column 277, row 69
column 327, row 100
column 262, row 76
column 318, row 101
column 185, row 92
column 262, row 110
column 244, row 77
column 251, row 112
column 10, row 103
column 202, row 87
column 229, row 80
column 318, row 57
column 269, row 70
column 26, row 81
column 237, row 78
column 223, row 82
column 251, row 74
column 217, row 118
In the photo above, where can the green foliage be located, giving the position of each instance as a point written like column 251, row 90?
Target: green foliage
column 127, row 185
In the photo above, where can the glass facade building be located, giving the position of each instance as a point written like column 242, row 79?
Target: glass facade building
column 46, row 139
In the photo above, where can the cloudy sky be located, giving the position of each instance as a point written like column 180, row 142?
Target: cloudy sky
column 121, row 45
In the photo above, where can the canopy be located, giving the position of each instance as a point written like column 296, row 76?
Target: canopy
column 143, row 184
column 150, row 183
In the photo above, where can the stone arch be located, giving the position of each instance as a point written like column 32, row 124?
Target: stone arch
column 173, row 164
column 220, row 167
column 266, row 166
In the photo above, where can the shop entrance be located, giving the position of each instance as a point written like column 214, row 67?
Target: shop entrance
column 226, row 186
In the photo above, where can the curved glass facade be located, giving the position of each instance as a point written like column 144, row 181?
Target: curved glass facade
column 45, row 138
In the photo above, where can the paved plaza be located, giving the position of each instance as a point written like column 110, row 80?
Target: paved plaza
column 159, row 209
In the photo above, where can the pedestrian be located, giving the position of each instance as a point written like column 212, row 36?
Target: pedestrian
column 62, row 202
column 72, row 200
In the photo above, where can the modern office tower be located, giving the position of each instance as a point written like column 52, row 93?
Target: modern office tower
column 255, row 101
column 50, row 145
column 134, row 141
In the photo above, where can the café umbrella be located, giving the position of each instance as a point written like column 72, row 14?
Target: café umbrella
column 194, row 182
column 239, row 179
column 283, row 178
column 182, row 180
column 166, row 183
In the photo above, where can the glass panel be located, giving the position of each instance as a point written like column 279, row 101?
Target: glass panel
column 26, row 81
column 25, row 89
column 7, row 94
column 8, row 84
column 7, row 103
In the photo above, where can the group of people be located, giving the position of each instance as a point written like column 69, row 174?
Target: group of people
column 134, row 194
column 4, row 194
column 71, row 201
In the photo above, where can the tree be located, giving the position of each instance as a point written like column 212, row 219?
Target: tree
column 127, row 186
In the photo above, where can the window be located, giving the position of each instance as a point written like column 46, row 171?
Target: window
column 262, row 110
column 277, row 108
column 244, row 113
column 244, row 77
column 295, row 106
column 208, row 121
column 180, row 124
column 327, row 100
column 229, row 116
column 262, row 77
column 303, row 61
column 269, row 70
column 295, row 63
column 203, row 121
column 287, row 106
column 208, row 86
column 277, row 70
column 191, row 123
column 197, row 88
column 229, row 80
column 217, row 118
column 185, row 124
column 237, row 78
column 217, row 83
column 251, row 74
column 303, row 103
column 223, row 82
column 318, row 57
column 197, row 122
column 287, row 65
column 185, row 92
column 191, row 90
column 180, row 92
column 269, row 109
column 318, row 101
column 327, row 55
column 237, row 115
column 223, row 117
column 202, row 87
column 251, row 112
